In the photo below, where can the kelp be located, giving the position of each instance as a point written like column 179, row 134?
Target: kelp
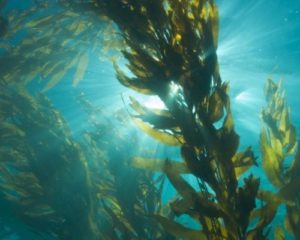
column 167, row 41
column 280, row 151
column 43, row 171
column 72, row 189
column 75, row 189
column 3, row 26
column 170, row 47
column 128, row 196
column 54, row 41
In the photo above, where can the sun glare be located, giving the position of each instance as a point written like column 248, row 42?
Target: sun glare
column 174, row 88
column 154, row 102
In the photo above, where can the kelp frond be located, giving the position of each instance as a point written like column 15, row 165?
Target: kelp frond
column 126, row 196
column 56, row 40
column 171, row 48
column 281, row 157
column 43, row 170
column 168, row 41
column 72, row 189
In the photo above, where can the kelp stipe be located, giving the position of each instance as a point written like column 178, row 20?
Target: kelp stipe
column 171, row 51
column 281, row 159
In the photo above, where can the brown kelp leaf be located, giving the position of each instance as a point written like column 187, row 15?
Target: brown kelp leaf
column 198, row 166
column 228, row 123
column 48, row 69
column 160, row 119
column 159, row 165
column 284, row 121
column 60, row 72
column 246, row 200
column 290, row 140
column 276, row 117
column 294, row 167
column 81, row 68
column 292, row 221
column 242, row 161
column 144, row 63
column 139, row 108
column 204, row 206
column 81, row 27
column 215, row 107
column 279, row 233
column 287, row 225
column 291, row 190
column 276, row 145
column 271, row 161
column 32, row 75
column 265, row 215
column 135, row 84
column 181, row 206
column 10, row 130
column 142, row 110
column 179, row 230
column 40, row 21
column 214, row 23
column 274, row 198
column 164, row 137
column 239, row 171
column 40, row 210
column 182, row 186
column 270, row 89
column 228, row 139
column 120, row 221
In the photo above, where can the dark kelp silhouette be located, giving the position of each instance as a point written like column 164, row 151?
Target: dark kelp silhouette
column 171, row 51
column 3, row 20
column 74, row 189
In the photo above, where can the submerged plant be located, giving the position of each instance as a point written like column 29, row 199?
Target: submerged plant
column 127, row 196
column 3, row 20
column 52, row 42
column 281, row 159
column 71, row 189
column 87, row 188
column 43, row 171
column 171, row 51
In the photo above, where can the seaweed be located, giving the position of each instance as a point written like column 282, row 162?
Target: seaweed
column 74, row 188
column 171, row 52
column 114, row 178
column 68, row 188
column 281, row 156
column 43, row 172
column 53, row 43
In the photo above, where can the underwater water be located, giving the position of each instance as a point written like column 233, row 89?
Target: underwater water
column 75, row 161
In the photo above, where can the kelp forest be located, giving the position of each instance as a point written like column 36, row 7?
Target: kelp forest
column 98, row 182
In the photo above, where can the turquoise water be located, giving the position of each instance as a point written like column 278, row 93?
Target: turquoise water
column 258, row 40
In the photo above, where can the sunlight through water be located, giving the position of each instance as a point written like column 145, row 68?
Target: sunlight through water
column 258, row 40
